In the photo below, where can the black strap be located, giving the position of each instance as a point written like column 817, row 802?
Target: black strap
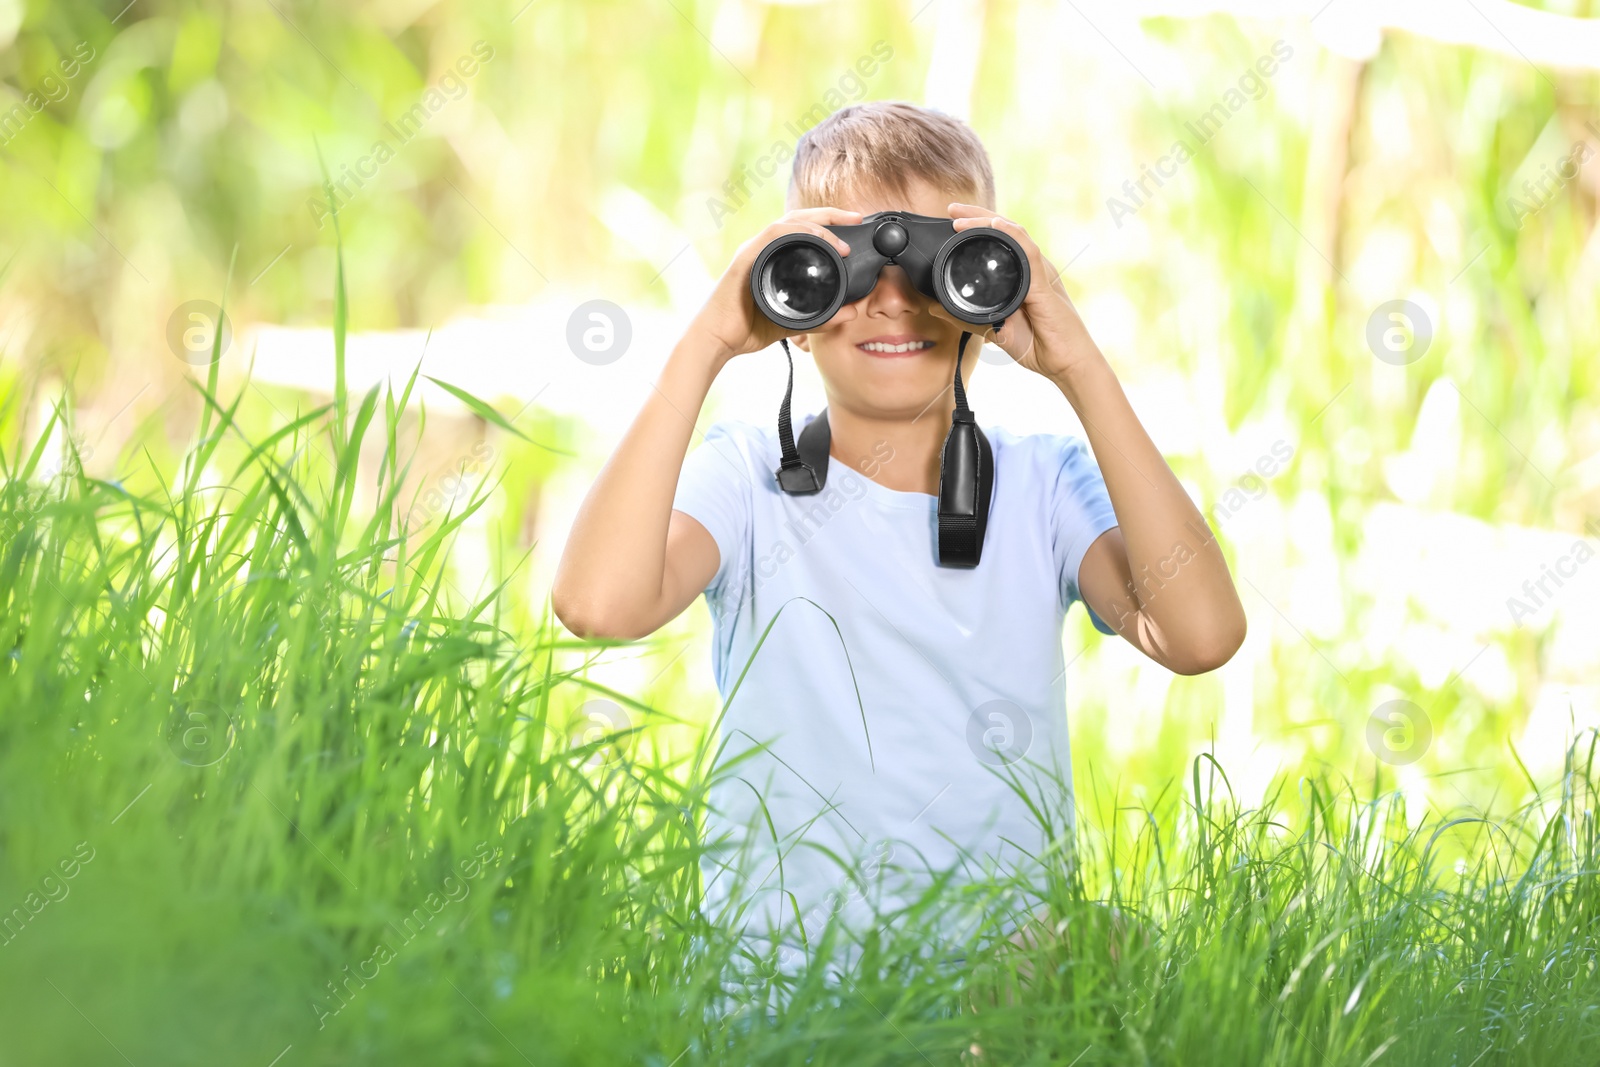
column 815, row 441
column 961, row 393
column 785, row 425
column 796, row 475
column 966, row 468
column 966, row 481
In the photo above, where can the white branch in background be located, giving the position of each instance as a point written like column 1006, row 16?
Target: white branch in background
column 957, row 48
column 1543, row 38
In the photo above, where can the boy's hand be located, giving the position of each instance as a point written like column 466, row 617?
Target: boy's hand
column 1045, row 334
column 730, row 322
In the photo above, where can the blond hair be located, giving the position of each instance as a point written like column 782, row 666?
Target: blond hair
column 885, row 146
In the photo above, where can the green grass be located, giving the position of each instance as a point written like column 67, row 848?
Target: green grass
column 317, row 803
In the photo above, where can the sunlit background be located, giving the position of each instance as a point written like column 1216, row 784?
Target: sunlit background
column 1357, row 310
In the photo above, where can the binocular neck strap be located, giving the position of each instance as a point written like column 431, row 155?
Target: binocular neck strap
column 961, row 393
column 789, row 458
column 966, row 467
column 794, row 474
column 966, row 478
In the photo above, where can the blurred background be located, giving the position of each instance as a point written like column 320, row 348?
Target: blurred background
column 1343, row 257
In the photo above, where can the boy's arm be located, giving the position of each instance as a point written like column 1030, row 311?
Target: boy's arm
column 1158, row 578
column 632, row 564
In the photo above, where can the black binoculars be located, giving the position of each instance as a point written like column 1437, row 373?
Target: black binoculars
column 979, row 276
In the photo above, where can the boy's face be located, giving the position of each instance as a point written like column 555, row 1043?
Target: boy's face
column 856, row 351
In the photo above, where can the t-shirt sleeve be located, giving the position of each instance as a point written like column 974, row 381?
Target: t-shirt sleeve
column 714, row 488
column 1080, row 512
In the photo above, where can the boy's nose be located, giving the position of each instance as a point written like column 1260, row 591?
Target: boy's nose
column 893, row 294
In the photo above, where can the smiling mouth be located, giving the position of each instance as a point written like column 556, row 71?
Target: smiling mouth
column 885, row 348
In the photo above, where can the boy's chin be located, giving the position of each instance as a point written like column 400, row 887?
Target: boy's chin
column 891, row 402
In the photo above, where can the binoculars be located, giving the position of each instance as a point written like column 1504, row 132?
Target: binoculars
column 980, row 276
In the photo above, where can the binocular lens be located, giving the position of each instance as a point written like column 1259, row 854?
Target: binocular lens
column 799, row 281
column 982, row 275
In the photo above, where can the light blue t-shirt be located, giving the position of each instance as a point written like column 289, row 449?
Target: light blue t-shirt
column 869, row 741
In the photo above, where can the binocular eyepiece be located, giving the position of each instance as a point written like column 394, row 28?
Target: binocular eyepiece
column 980, row 276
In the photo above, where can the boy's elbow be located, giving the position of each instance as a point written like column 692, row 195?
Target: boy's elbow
column 599, row 627
column 588, row 622
column 1216, row 650
column 577, row 621
column 584, row 617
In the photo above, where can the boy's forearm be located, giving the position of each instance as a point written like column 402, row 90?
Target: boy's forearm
column 615, row 557
column 1170, row 547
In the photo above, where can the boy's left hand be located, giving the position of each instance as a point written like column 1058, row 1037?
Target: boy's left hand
column 1045, row 334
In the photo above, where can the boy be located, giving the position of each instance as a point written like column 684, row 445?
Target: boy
column 875, row 735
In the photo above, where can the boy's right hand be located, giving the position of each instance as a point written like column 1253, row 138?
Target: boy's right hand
column 729, row 322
